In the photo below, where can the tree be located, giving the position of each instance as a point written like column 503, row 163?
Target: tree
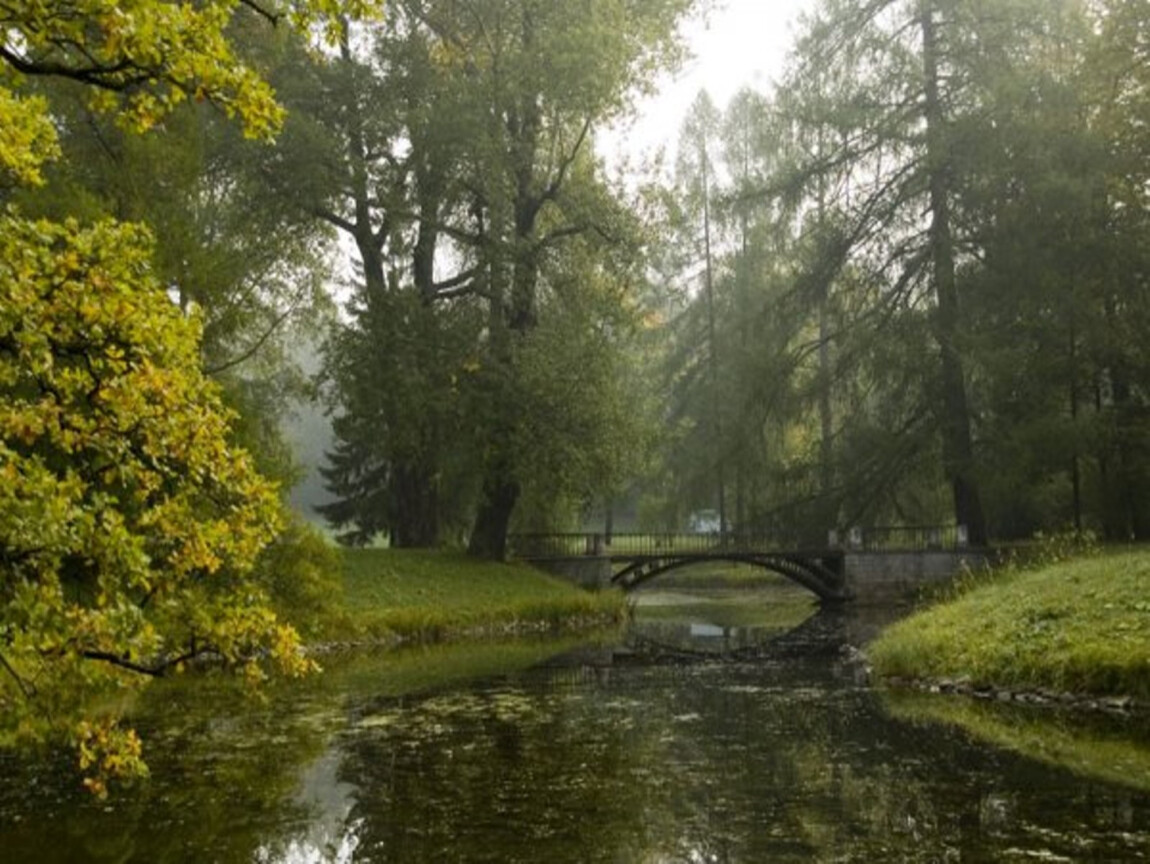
column 224, row 243
column 533, row 134
column 380, row 121
column 696, row 172
column 130, row 524
column 904, row 82
column 400, row 372
column 1064, row 257
column 474, row 161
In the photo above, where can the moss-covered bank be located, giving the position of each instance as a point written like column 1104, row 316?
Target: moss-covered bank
column 434, row 595
column 1080, row 626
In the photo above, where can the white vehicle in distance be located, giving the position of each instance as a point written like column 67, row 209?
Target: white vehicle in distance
column 704, row 522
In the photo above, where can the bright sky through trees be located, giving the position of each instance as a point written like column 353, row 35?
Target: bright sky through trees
column 740, row 43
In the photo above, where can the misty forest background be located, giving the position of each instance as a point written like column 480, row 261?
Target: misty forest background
column 907, row 285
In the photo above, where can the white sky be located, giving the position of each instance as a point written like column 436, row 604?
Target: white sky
column 741, row 43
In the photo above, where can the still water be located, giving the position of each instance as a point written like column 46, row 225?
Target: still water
column 690, row 739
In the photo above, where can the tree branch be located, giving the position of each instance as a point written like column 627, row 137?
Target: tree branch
column 552, row 190
column 267, row 14
column 558, row 234
column 103, row 77
column 157, row 671
column 333, row 219
column 27, row 689
column 255, row 347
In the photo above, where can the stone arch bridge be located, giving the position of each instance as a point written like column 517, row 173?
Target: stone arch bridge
column 878, row 565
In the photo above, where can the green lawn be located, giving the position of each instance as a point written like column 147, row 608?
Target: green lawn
column 1080, row 626
column 724, row 574
column 434, row 594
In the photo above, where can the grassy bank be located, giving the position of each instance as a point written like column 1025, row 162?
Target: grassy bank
column 1080, row 626
column 431, row 595
column 722, row 574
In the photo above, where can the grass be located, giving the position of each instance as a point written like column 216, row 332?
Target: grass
column 1080, row 626
column 722, row 574
column 432, row 595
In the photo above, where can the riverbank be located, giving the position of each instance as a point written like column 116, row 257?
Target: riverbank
column 434, row 595
column 1072, row 630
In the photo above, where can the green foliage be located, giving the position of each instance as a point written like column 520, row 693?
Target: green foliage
column 459, row 392
column 586, row 422
column 859, row 339
column 401, row 378
column 129, row 523
column 1080, row 626
column 301, row 574
column 180, row 50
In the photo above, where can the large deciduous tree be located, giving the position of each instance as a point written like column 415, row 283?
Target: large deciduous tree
column 470, row 188
column 129, row 523
column 540, row 76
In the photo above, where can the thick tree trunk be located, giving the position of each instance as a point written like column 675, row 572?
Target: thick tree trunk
column 500, row 490
column 958, row 450
column 493, row 519
column 414, row 519
column 511, row 319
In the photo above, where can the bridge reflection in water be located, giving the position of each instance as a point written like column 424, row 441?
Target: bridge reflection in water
column 877, row 564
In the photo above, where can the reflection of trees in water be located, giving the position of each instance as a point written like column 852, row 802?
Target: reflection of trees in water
column 712, row 762
column 1113, row 748
column 503, row 776
column 224, row 770
column 804, row 633
column 778, row 759
column 235, row 778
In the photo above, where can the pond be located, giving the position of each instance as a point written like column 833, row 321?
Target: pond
column 728, row 729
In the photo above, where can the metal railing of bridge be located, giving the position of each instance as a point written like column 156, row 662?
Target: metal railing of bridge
column 912, row 538
column 900, row 538
column 636, row 544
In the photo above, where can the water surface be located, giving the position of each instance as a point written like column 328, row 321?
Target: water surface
column 701, row 737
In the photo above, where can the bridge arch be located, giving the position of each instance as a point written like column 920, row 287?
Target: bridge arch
column 810, row 573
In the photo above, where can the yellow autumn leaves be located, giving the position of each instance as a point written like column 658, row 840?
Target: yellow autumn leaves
column 129, row 524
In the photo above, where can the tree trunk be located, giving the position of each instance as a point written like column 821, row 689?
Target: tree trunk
column 829, row 508
column 1075, row 467
column 713, row 354
column 414, row 519
column 493, row 519
column 958, row 450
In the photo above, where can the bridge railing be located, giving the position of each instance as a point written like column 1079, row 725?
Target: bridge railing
column 553, row 545
column 634, row 544
column 901, row 538
column 908, row 538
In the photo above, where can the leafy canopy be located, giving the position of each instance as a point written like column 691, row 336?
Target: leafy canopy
column 129, row 525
